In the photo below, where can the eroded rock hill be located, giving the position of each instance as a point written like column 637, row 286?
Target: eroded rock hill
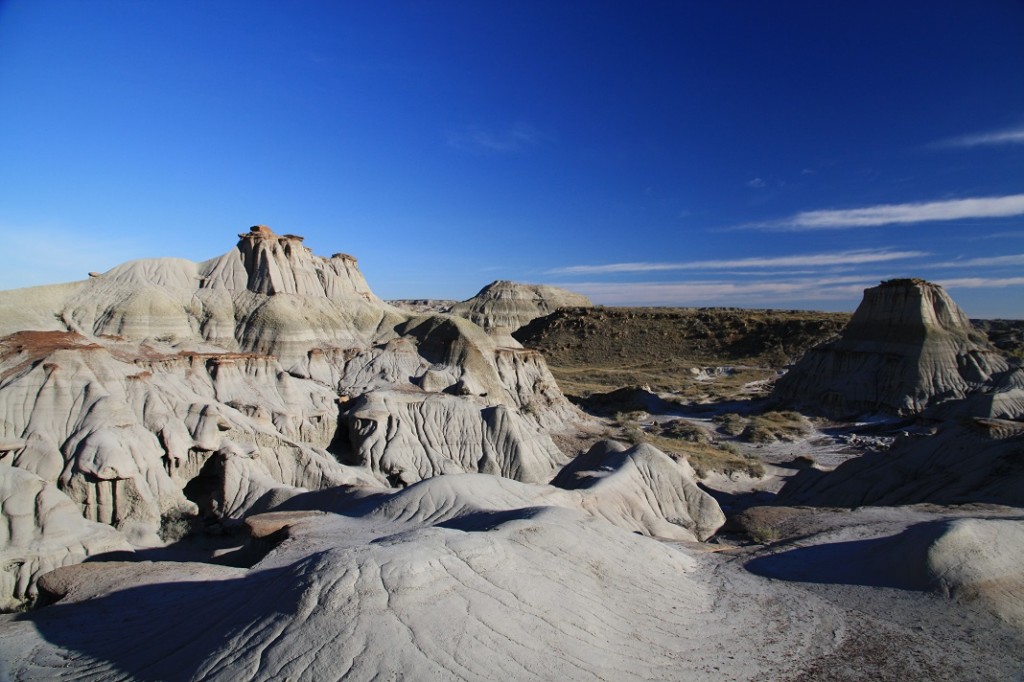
column 908, row 346
column 510, row 305
column 164, row 388
column 600, row 349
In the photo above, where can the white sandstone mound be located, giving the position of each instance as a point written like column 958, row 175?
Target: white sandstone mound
column 465, row 577
column 979, row 560
column 510, row 305
column 969, row 559
column 347, row 599
column 476, row 577
column 642, row 488
column 1003, row 400
column 165, row 386
column 639, row 489
column 907, row 347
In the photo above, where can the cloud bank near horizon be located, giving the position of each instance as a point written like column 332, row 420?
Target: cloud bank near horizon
column 761, row 292
column 721, row 293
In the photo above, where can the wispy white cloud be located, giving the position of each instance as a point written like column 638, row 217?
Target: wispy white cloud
column 992, row 261
column 985, row 139
column 841, row 258
column 982, row 282
column 1010, row 234
column 756, row 183
column 478, row 139
column 898, row 214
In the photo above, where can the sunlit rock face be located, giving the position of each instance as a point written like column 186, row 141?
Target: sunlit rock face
column 510, row 305
column 907, row 347
column 167, row 387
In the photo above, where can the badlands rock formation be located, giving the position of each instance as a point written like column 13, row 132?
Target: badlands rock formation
column 165, row 387
column 907, row 347
column 534, row 593
column 978, row 461
column 42, row 530
column 510, row 305
column 476, row 577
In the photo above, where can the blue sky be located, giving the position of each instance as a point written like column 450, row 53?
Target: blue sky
column 760, row 154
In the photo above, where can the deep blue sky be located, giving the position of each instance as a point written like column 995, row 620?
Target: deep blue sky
column 766, row 154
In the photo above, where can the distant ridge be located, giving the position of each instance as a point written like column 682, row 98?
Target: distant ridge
column 510, row 305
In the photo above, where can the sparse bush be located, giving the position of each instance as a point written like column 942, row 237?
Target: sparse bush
column 176, row 525
column 768, row 524
column 731, row 424
column 775, row 426
column 763, row 535
column 684, row 430
column 630, row 428
column 731, row 449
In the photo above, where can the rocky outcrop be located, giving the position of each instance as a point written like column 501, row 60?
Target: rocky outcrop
column 510, row 305
column 166, row 387
column 421, row 306
column 269, row 295
column 123, row 435
column 641, row 488
column 42, row 530
column 907, row 347
column 982, row 461
column 406, row 436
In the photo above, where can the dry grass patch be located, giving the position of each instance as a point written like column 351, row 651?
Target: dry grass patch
column 685, row 441
column 769, row 427
column 775, row 426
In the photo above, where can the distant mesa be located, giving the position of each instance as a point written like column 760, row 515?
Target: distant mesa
column 424, row 305
column 907, row 347
column 510, row 305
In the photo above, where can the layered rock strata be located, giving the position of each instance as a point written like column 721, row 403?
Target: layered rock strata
column 511, row 305
column 166, row 387
column 907, row 347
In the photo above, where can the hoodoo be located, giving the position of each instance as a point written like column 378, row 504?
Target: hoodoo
column 166, row 389
column 907, row 347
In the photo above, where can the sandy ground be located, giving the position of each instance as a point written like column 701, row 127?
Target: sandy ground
column 733, row 613
column 393, row 592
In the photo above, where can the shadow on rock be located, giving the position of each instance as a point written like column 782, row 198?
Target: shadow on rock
column 161, row 631
column 896, row 561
